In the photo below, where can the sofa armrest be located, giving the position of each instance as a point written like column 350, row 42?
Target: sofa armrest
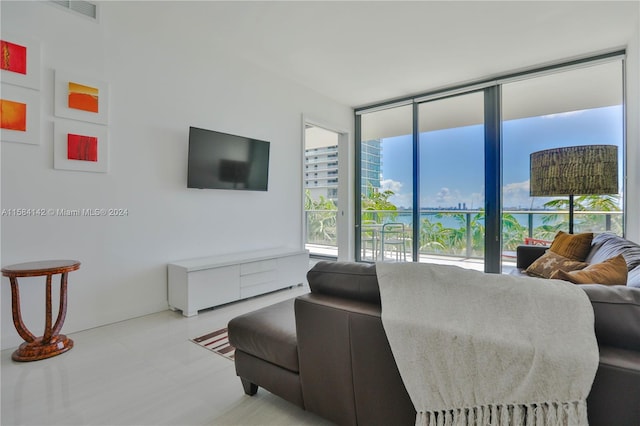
column 616, row 312
column 527, row 254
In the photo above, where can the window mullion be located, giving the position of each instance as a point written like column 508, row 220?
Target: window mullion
column 415, row 248
column 493, row 180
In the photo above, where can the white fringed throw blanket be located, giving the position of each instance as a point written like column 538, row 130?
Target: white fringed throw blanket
column 489, row 349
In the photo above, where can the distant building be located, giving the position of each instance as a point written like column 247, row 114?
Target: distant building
column 321, row 169
column 371, row 164
column 321, row 172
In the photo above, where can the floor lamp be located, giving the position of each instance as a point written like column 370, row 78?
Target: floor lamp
column 574, row 170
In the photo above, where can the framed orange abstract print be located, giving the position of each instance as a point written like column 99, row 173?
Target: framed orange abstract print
column 81, row 98
column 19, row 115
column 13, row 115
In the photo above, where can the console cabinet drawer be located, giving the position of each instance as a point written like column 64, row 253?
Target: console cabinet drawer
column 258, row 278
column 255, row 290
column 253, row 267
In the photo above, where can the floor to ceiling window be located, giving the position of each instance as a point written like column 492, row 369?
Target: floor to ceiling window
column 453, row 167
column 385, row 227
column 570, row 108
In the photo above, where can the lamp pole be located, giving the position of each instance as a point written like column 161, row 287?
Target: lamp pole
column 571, row 214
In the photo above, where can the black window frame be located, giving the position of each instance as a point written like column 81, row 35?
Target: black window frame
column 493, row 147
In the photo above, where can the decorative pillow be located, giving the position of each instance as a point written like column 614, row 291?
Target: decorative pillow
column 572, row 246
column 550, row 262
column 610, row 272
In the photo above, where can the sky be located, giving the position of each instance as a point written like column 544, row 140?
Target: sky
column 452, row 160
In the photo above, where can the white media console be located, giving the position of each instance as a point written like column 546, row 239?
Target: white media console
column 205, row 282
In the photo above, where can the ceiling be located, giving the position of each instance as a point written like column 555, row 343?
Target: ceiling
column 364, row 52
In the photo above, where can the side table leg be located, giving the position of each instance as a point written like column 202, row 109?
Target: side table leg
column 62, row 311
column 46, row 338
column 17, row 316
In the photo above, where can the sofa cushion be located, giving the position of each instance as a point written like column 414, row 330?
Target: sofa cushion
column 572, row 246
column 610, row 272
column 550, row 262
column 607, row 245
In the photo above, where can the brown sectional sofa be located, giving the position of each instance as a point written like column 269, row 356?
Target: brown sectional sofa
column 342, row 367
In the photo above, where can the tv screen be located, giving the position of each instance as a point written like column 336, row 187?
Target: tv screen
column 222, row 161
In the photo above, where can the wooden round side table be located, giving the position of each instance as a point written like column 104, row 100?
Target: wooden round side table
column 52, row 343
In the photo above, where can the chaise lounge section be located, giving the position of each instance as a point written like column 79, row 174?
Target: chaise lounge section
column 267, row 351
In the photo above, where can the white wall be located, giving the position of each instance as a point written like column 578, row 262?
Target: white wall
column 633, row 136
column 164, row 76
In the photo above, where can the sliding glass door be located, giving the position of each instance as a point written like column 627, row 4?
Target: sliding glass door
column 451, row 175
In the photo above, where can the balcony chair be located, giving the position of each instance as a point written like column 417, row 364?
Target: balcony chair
column 369, row 237
column 393, row 236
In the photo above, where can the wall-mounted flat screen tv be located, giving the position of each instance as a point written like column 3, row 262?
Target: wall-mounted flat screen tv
column 222, row 161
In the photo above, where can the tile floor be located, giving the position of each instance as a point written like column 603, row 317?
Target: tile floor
column 144, row 371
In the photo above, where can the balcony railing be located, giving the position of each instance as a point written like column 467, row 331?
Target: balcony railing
column 460, row 233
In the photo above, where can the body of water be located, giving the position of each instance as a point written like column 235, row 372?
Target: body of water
column 448, row 220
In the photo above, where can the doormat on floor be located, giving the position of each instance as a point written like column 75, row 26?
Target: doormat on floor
column 218, row 342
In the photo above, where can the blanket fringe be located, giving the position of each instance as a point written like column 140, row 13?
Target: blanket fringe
column 541, row 414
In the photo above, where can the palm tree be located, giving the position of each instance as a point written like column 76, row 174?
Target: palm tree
column 547, row 231
column 321, row 219
column 584, row 203
column 432, row 237
column 455, row 239
column 375, row 200
column 477, row 234
column 513, row 233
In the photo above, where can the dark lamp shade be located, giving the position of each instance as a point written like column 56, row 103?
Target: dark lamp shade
column 575, row 170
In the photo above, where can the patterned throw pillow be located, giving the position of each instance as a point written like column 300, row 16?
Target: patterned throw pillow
column 572, row 246
column 550, row 262
column 610, row 272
